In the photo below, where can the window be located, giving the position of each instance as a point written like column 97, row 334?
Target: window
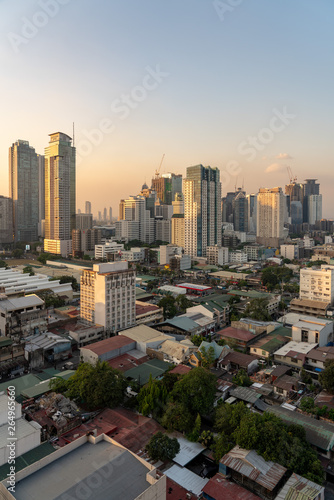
column 304, row 335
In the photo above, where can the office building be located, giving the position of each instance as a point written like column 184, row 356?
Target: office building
column 84, row 221
column 240, row 211
column 59, row 194
column 84, row 240
column 252, row 212
column 270, row 216
column 24, row 190
column 6, row 221
column 202, row 210
column 314, row 207
column 227, row 207
column 110, row 214
column 137, row 223
column 310, row 187
column 108, row 296
column 41, row 195
column 166, row 186
column 88, row 207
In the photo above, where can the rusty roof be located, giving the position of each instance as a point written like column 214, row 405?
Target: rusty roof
column 248, row 463
column 239, row 358
column 218, row 487
column 237, row 333
column 286, row 383
column 108, row 345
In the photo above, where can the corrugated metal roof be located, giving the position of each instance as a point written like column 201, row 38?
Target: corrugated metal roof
column 245, row 394
column 187, row 479
column 299, row 488
column 188, row 450
column 318, row 434
column 250, row 464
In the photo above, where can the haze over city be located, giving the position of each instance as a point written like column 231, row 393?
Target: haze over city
column 200, row 82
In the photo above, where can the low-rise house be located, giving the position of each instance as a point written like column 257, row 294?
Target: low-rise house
column 145, row 336
column 285, row 384
column 235, row 361
column 266, row 346
column 173, row 351
column 245, row 394
column 293, row 353
column 242, row 338
column 194, row 323
column 298, row 487
column 316, row 358
column 256, row 474
column 321, row 437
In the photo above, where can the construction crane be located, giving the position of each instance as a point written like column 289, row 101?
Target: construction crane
column 292, row 178
column 157, row 172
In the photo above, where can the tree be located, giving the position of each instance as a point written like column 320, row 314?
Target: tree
column 3, row 263
column 196, row 391
column 195, row 433
column 29, row 270
column 221, row 446
column 152, row 397
column 17, row 253
column 228, row 417
column 168, row 305
column 307, row 404
column 207, row 356
column 241, row 378
column 98, row 386
column 177, row 416
column 162, row 447
column 182, row 303
column 206, row 438
column 197, row 340
column 51, row 299
column 43, row 258
column 258, row 309
column 326, row 378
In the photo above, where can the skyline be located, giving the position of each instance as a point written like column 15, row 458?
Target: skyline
column 204, row 80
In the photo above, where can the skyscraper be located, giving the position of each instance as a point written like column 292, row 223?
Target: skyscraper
column 252, row 212
column 88, row 207
column 110, row 214
column 270, row 216
column 310, row 187
column 6, row 220
column 23, row 190
column 136, row 222
column 59, row 194
column 166, row 186
column 314, row 208
column 202, row 210
column 240, row 211
column 41, row 194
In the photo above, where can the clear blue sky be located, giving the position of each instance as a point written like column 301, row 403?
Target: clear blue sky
column 228, row 70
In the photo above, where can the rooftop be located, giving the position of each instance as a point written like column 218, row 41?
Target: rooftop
column 108, row 345
column 296, row 347
column 141, row 374
column 73, row 473
column 143, row 333
column 219, row 487
column 250, row 464
column 299, row 488
column 187, row 479
column 321, row 436
column 321, row 353
column 239, row 358
column 237, row 333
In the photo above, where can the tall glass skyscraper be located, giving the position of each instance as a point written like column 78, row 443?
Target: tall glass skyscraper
column 202, row 210
column 24, row 190
column 59, row 194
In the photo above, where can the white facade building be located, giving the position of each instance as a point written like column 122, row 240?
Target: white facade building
column 289, row 251
column 217, row 255
column 314, row 208
column 108, row 296
column 317, row 284
column 238, row 256
column 110, row 247
column 313, row 330
column 167, row 252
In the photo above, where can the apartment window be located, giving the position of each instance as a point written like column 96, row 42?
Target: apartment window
column 317, row 337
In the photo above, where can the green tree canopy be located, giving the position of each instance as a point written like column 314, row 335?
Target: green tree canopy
column 326, row 378
column 258, row 309
column 98, row 386
column 162, row 447
column 196, row 391
column 207, row 356
column 168, row 305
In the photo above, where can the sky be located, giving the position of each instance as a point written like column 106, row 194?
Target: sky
column 242, row 85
